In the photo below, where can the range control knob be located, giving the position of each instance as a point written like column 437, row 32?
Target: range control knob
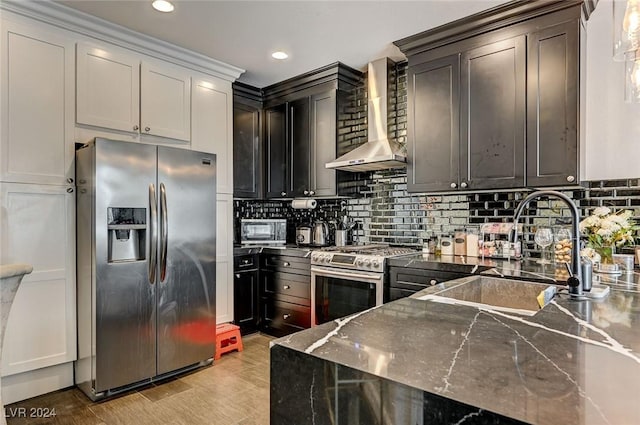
column 359, row 262
column 367, row 263
column 375, row 264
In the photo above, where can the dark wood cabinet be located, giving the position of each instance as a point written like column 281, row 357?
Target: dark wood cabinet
column 301, row 130
column 493, row 100
column 433, row 133
column 492, row 115
column 299, row 126
column 285, row 294
column 247, row 142
column 552, row 110
column 246, row 293
column 300, row 141
column 323, row 118
column 276, row 151
column 406, row 281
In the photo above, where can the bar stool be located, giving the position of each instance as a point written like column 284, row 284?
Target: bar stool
column 228, row 338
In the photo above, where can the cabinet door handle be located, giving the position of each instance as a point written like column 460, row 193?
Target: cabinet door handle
column 286, row 316
column 311, row 192
column 306, row 192
column 136, row 128
column 237, row 275
column 286, row 287
column 463, row 185
column 69, row 190
column 571, row 179
column 283, row 193
column 69, row 180
column 286, row 264
column 453, row 185
column 432, row 282
column 147, row 129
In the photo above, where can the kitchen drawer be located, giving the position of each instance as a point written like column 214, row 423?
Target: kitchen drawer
column 285, row 263
column 288, row 287
column 282, row 318
column 245, row 262
column 414, row 280
column 397, row 293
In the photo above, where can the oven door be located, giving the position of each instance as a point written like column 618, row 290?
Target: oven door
column 336, row 293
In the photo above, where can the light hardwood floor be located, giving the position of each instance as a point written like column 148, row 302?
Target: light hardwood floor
column 234, row 391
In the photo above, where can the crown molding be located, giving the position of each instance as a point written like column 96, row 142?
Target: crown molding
column 82, row 23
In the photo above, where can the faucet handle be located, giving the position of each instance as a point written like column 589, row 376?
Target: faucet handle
column 572, row 282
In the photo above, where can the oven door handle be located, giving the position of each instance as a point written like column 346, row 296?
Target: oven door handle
column 346, row 275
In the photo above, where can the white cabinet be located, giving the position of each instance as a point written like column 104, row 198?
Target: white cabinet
column 224, row 258
column 37, row 226
column 211, row 125
column 165, row 101
column 108, row 87
column 120, row 91
column 37, row 105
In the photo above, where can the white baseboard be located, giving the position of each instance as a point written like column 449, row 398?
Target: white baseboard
column 36, row 382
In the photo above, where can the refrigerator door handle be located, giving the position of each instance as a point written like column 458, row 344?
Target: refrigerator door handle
column 153, row 236
column 164, row 232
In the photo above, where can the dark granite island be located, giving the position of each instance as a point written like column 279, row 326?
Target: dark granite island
column 417, row 361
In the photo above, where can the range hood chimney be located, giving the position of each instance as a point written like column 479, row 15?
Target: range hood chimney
column 379, row 153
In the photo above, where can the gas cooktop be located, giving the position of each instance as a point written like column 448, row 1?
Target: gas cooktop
column 357, row 257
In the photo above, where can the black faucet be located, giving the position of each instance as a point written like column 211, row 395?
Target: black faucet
column 575, row 281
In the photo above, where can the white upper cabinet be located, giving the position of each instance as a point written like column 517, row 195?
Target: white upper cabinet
column 165, row 102
column 211, row 125
column 108, row 88
column 37, row 105
column 120, row 91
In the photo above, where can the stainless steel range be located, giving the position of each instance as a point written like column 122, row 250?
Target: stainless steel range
column 348, row 279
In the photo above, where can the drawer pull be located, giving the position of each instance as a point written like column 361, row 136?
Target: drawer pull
column 245, row 261
column 237, row 275
column 432, row 282
column 287, row 264
column 286, row 316
column 286, row 287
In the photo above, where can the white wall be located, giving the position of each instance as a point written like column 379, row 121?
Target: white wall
column 612, row 126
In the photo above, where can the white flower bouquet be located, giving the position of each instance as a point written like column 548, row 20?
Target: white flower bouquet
column 606, row 230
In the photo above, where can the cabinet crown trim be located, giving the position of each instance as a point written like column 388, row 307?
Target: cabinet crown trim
column 501, row 16
column 79, row 22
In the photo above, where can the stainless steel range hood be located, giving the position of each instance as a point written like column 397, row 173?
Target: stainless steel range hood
column 379, row 153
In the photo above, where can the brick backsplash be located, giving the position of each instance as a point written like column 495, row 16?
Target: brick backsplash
column 389, row 214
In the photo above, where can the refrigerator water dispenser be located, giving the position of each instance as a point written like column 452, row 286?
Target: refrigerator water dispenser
column 127, row 233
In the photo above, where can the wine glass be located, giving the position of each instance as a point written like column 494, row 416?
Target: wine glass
column 544, row 238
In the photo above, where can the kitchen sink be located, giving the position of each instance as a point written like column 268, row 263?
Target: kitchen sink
column 492, row 293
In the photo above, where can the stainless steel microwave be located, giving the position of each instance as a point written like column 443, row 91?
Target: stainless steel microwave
column 263, row 231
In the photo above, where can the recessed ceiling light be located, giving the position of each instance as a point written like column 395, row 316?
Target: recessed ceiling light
column 162, row 6
column 279, row 55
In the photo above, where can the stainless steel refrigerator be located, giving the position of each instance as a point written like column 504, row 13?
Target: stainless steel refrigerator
column 146, row 237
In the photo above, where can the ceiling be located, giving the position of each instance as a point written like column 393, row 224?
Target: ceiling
column 314, row 33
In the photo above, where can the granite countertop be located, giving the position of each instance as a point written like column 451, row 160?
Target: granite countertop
column 288, row 249
column 573, row 362
column 515, row 269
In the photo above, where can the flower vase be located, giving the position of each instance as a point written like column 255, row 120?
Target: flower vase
column 606, row 253
column 606, row 264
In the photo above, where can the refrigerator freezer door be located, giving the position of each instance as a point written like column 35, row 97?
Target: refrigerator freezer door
column 125, row 334
column 186, row 275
